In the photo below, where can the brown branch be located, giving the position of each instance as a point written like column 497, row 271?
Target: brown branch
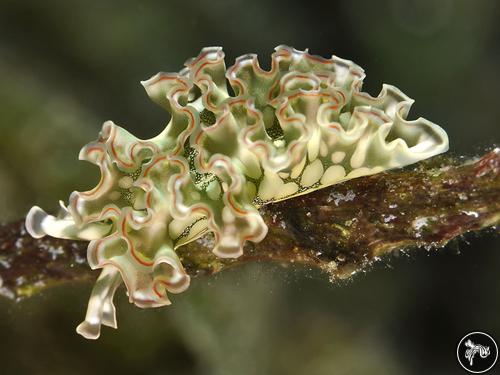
column 341, row 229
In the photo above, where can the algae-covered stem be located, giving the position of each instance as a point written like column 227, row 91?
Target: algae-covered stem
column 341, row 229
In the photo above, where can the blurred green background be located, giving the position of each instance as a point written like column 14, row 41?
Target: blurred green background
column 67, row 66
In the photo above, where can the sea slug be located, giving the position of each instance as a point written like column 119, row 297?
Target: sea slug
column 237, row 139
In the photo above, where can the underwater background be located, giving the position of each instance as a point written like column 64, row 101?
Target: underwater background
column 67, row 66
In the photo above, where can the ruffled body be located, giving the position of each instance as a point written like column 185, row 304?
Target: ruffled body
column 237, row 139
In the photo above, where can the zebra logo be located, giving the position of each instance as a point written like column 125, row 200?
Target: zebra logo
column 477, row 352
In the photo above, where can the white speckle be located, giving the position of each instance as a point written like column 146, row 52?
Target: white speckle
column 462, row 196
column 418, row 224
column 55, row 252
column 389, row 218
column 331, row 267
column 19, row 243
column 5, row 263
column 348, row 223
column 79, row 259
column 39, row 284
column 471, row 213
column 206, row 241
column 20, row 280
column 6, row 292
column 393, row 205
column 338, row 197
